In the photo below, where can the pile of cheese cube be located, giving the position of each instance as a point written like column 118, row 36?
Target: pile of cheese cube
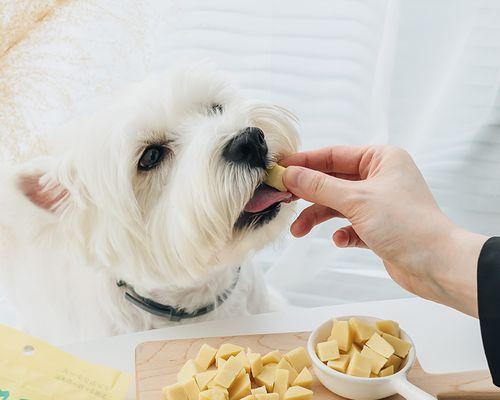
column 359, row 349
column 231, row 373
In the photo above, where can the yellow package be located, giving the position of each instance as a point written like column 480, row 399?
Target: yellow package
column 33, row 370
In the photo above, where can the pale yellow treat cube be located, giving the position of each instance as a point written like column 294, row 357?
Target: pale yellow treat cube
column 242, row 357
column 339, row 364
column 388, row 326
column 272, row 357
column 380, row 345
column 328, row 351
column 292, row 372
column 219, row 362
column 298, row 358
column 395, row 361
column 355, row 348
column 188, row 371
column 241, row 387
column 213, row 385
column 401, row 347
column 256, row 363
column 274, row 178
column 205, row 357
column 249, row 397
column 259, row 390
column 225, row 377
column 342, row 334
column 267, row 396
column 298, row 393
column 234, row 365
column 387, row 371
column 191, row 389
column 359, row 366
column 212, row 394
column 266, row 377
column 175, row 392
column 203, row 378
column 304, row 379
column 281, row 382
column 227, row 350
column 375, row 358
column 361, row 331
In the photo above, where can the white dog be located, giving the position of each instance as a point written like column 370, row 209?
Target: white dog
column 146, row 213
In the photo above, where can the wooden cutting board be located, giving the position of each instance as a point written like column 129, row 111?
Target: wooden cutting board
column 157, row 363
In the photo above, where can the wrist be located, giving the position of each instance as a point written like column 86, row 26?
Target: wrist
column 455, row 279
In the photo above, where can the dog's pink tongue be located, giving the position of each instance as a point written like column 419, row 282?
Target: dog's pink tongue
column 265, row 197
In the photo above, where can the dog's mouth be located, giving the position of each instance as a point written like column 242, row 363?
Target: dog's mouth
column 263, row 207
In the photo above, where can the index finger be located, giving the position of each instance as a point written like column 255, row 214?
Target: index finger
column 336, row 159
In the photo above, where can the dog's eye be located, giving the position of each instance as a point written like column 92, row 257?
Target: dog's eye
column 216, row 109
column 151, row 157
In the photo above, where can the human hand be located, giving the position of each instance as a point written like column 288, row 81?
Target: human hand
column 391, row 211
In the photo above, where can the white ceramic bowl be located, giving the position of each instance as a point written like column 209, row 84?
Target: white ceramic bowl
column 357, row 388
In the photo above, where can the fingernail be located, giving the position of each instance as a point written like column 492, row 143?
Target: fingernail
column 292, row 175
column 341, row 238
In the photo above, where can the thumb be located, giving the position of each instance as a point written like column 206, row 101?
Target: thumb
column 317, row 187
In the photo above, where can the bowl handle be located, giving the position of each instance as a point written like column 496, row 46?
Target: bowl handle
column 409, row 391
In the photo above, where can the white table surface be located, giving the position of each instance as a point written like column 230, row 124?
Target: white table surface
column 446, row 340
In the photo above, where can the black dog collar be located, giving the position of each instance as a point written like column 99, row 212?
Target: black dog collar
column 169, row 312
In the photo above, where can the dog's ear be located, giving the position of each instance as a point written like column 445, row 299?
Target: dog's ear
column 39, row 188
column 47, row 196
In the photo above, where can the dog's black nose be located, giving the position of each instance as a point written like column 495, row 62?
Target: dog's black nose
column 248, row 147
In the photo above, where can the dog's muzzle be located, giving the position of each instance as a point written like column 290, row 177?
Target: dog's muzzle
column 248, row 148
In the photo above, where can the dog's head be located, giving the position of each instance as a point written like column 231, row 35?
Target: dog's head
column 158, row 183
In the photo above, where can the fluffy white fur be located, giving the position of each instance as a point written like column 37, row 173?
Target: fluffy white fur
column 78, row 220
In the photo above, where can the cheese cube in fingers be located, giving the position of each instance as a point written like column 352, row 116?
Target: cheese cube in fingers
column 274, row 178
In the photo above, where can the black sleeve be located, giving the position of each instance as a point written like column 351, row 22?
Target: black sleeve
column 488, row 299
